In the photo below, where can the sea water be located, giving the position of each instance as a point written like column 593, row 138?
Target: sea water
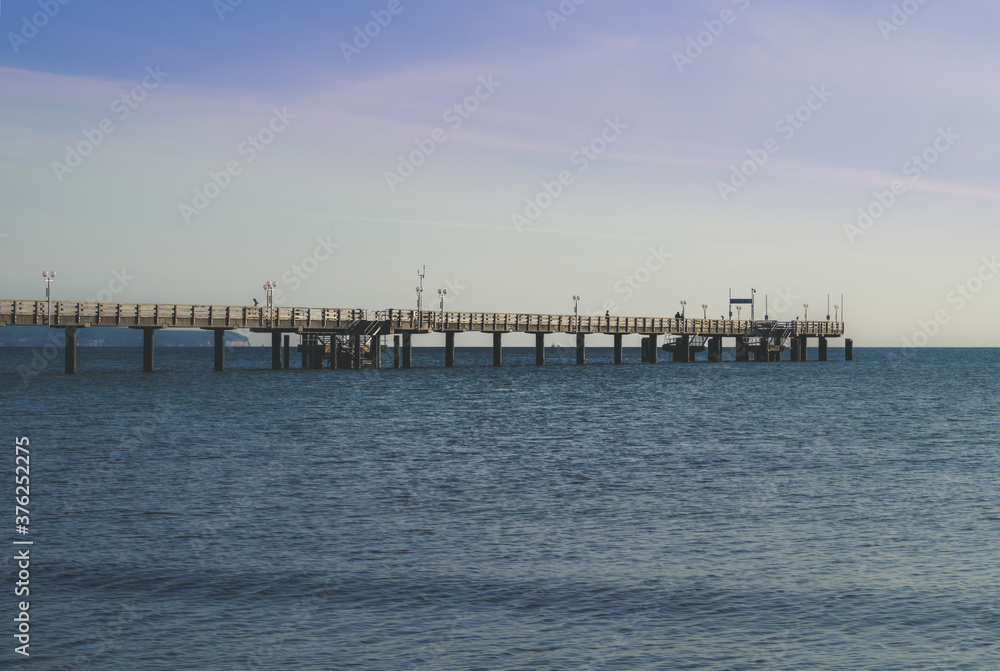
column 837, row 515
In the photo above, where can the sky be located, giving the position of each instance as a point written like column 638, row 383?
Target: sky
column 633, row 153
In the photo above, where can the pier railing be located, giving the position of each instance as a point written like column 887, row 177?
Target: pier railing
column 491, row 322
column 146, row 315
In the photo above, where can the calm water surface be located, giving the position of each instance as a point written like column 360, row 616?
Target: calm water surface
column 724, row 517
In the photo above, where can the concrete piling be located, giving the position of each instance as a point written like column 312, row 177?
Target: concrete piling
column 275, row 350
column 147, row 349
column 449, row 349
column 715, row 349
column 220, row 349
column 407, row 350
column 741, row 349
column 70, row 349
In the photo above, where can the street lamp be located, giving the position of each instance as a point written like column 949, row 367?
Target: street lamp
column 836, row 313
column 420, row 288
column 738, row 308
column 805, row 306
column 683, row 303
column 576, row 311
column 269, row 288
column 49, row 276
column 441, row 294
column 704, row 310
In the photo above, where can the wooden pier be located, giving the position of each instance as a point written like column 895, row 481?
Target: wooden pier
column 336, row 336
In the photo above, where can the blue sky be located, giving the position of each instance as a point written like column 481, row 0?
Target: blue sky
column 504, row 208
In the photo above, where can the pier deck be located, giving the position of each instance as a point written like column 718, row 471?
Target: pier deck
column 362, row 329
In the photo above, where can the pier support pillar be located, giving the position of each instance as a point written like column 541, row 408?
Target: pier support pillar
column 395, row 351
column 285, row 361
column 70, row 350
column 684, row 349
column 796, row 348
column 334, row 352
column 497, row 349
column 304, row 350
column 275, row 350
column 358, row 356
column 652, row 348
column 822, row 348
column 375, row 349
column 715, row 349
column 804, row 345
column 581, row 352
column 848, row 349
column 741, row 349
column 539, row 349
column 449, row 349
column 316, row 355
column 618, row 348
column 763, row 351
column 407, row 350
column 220, row 349
column 147, row 349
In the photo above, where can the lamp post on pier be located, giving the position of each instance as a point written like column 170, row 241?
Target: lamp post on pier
column 420, row 288
column 576, row 311
column 805, row 306
column 704, row 310
column 50, row 276
column 683, row 308
column 441, row 294
column 836, row 313
column 269, row 288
